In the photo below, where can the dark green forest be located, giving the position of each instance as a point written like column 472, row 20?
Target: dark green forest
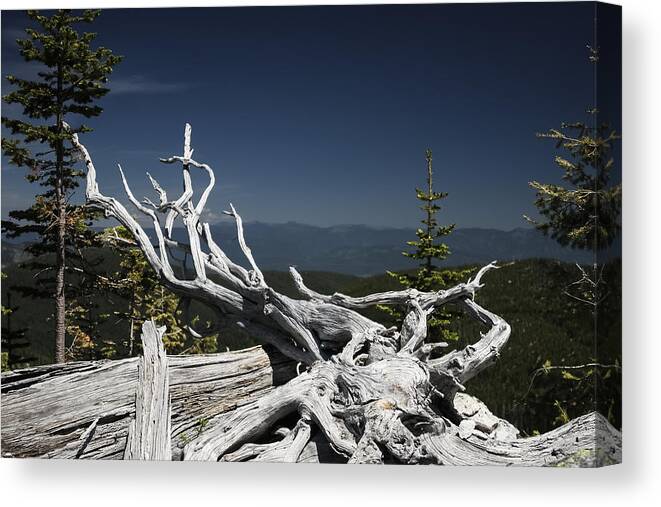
column 525, row 386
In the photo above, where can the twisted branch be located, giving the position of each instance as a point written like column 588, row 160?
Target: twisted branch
column 373, row 393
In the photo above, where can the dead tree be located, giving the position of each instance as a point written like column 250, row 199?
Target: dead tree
column 372, row 394
column 91, row 409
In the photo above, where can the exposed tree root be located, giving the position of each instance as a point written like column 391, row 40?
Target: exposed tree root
column 373, row 395
column 92, row 419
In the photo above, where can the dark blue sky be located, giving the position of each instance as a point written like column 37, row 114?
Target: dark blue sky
column 322, row 115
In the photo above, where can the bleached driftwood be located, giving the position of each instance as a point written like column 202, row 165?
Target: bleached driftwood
column 370, row 394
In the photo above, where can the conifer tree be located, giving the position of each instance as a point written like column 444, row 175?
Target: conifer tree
column 584, row 213
column 429, row 249
column 146, row 298
column 71, row 79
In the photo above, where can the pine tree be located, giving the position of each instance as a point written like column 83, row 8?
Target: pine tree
column 428, row 249
column 585, row 214
column 72, row 78
column 146, row 298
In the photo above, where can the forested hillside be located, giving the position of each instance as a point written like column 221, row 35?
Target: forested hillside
column 547, row 328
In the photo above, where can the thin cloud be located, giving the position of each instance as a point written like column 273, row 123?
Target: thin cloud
column 143, row 84
column 135, row 84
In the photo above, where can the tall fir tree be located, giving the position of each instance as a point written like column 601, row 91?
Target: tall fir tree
column 72, row 78
column 429, row 250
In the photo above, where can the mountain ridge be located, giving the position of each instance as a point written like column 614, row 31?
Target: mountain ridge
column 365, row 250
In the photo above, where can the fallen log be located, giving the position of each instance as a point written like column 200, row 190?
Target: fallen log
column 84, row 409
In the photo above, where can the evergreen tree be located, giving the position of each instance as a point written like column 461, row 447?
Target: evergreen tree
column 84, row 319
column 429, row 248
column 584, row 213
column 146, row 298
column 72, row 78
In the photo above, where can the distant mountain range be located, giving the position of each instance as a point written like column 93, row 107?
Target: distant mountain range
column 363, row 250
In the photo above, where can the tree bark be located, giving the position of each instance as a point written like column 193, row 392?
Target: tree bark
column 61, row 217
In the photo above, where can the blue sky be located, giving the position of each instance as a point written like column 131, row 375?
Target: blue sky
column 321, row 115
